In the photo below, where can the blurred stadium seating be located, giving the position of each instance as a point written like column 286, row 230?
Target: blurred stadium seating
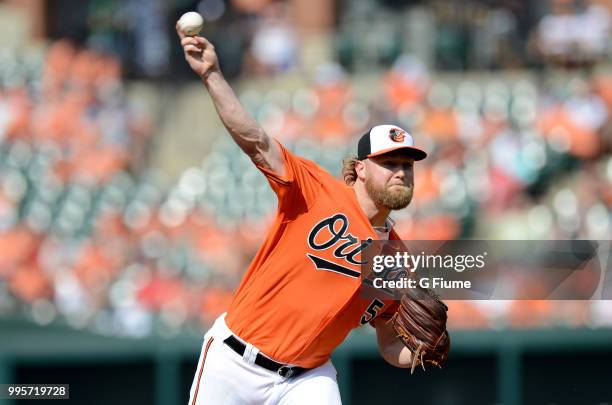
column 93, row 238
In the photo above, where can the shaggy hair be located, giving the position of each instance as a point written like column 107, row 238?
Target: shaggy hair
column 349, row 174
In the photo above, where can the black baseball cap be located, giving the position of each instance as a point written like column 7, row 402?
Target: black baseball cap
column 383, row 139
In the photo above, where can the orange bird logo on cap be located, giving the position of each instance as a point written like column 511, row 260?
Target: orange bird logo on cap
column 397, row 135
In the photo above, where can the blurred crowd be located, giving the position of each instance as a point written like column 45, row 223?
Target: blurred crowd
column 445, row 35
column 574, row 33
column 92, row 237
column 267, row 37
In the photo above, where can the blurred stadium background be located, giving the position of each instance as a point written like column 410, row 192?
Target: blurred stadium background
column 127, row 216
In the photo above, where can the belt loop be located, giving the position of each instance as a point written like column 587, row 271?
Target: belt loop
column 250, row 353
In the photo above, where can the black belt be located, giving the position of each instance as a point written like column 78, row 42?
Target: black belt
column 281, row 369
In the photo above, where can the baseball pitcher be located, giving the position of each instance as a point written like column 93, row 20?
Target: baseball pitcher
column 300, row 297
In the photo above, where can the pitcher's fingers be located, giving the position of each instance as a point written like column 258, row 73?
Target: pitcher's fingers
column 188, row 41
column 192, row 48
column 178, row 31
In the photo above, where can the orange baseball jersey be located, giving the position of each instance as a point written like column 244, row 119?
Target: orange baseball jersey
column 301, row 295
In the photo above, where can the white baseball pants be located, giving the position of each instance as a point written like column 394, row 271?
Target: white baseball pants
column 223, row 377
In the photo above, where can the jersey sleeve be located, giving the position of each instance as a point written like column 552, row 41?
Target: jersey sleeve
column 297, row 188
column 386, row 314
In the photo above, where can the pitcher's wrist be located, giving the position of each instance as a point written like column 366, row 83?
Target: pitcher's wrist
column 211, row 74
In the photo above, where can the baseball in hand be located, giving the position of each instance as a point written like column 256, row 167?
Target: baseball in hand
column 191, row 23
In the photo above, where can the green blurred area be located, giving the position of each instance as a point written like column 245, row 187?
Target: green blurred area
column 553, row 366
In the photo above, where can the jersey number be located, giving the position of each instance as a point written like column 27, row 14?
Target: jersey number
column 372, row 311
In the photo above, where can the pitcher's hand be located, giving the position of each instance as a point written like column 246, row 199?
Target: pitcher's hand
column 199, row 53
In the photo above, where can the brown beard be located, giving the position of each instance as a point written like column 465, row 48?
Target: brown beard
column 393, row 200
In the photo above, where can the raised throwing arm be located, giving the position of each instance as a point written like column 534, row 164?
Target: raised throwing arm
column 246, row 132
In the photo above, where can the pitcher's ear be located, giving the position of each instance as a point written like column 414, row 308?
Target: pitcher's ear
column 361, row 169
